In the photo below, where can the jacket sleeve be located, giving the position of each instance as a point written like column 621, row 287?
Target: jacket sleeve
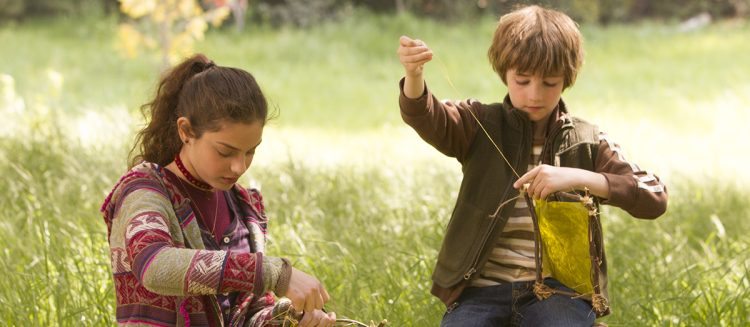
column 448, row 126
column 640, row 193
column 166, row 268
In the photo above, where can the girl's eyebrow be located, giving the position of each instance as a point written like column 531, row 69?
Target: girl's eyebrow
column 227, row 145
column 235, row 148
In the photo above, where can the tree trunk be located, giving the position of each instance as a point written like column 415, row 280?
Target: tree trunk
column 400, row 7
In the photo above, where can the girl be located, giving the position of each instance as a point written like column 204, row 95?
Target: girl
column 186, row 241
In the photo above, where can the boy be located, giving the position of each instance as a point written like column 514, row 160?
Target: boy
column 485, row 270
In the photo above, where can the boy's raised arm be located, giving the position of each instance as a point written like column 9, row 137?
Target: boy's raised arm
column 413, row 54
column 448, row 126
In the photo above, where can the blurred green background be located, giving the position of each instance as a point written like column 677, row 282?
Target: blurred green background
column 355, row 197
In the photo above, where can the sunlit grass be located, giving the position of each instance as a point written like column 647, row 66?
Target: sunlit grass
column 54, row 258
column 687, row 268
column 647, row 70
column 371, row 233
column 355, row 197
column 675, row 101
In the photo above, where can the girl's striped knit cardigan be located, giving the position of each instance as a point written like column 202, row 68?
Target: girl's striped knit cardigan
column 162, row 273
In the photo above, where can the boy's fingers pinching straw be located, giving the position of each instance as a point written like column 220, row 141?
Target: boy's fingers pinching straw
column 409, row 42
column 405, row 40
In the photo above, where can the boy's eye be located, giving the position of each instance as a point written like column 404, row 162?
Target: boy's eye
column 550, row 84
column 522, row 82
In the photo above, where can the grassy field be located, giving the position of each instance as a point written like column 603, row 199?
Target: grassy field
column 355, row 197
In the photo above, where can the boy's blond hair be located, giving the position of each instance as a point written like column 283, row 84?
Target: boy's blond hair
column 535, row 40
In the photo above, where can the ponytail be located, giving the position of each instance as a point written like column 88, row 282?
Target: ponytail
column 205, row 94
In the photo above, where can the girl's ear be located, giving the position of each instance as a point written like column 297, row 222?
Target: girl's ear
column 184, row 129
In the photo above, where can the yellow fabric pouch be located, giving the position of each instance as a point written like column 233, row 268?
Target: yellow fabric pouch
column 564, row 232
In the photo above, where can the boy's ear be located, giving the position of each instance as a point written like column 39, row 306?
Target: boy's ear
column 184, row 129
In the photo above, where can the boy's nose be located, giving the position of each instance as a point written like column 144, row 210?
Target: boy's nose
column 536, row 93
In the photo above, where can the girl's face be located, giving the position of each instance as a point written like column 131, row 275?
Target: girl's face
column 534, row 94
column 219, row 158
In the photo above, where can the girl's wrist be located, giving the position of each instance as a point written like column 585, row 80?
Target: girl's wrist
column 282, row 284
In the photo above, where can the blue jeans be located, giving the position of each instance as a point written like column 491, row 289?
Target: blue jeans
column 514, row 304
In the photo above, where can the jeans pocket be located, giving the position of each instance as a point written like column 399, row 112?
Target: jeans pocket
column 451, row 307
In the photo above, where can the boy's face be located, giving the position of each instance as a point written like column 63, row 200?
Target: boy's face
column 534, row 94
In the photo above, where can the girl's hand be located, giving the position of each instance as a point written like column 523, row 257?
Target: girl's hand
column 318, row 318
column 413, row 54
column 306, row 292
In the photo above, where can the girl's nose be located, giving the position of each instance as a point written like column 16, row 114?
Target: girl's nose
column 238, row 166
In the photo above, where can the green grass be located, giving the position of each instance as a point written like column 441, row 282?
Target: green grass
column 54, row 258
column 368, row 220
column 630, row 70
column 370, row 234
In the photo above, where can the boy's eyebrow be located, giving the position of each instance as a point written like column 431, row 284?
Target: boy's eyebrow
column 529, row 75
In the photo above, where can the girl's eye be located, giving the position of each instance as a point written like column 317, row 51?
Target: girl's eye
column 224, row 155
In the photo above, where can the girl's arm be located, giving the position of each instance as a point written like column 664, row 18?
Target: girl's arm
column 166, row 268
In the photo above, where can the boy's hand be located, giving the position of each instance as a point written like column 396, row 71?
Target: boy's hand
column 545, row 180
column 306, row 292
column 413, row 54
column 318, row 318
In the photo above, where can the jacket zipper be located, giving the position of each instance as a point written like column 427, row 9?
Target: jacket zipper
column 486, row 236
column 551, row 137
column 475, row 261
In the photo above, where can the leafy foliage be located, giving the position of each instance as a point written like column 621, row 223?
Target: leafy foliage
column 168, row 26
